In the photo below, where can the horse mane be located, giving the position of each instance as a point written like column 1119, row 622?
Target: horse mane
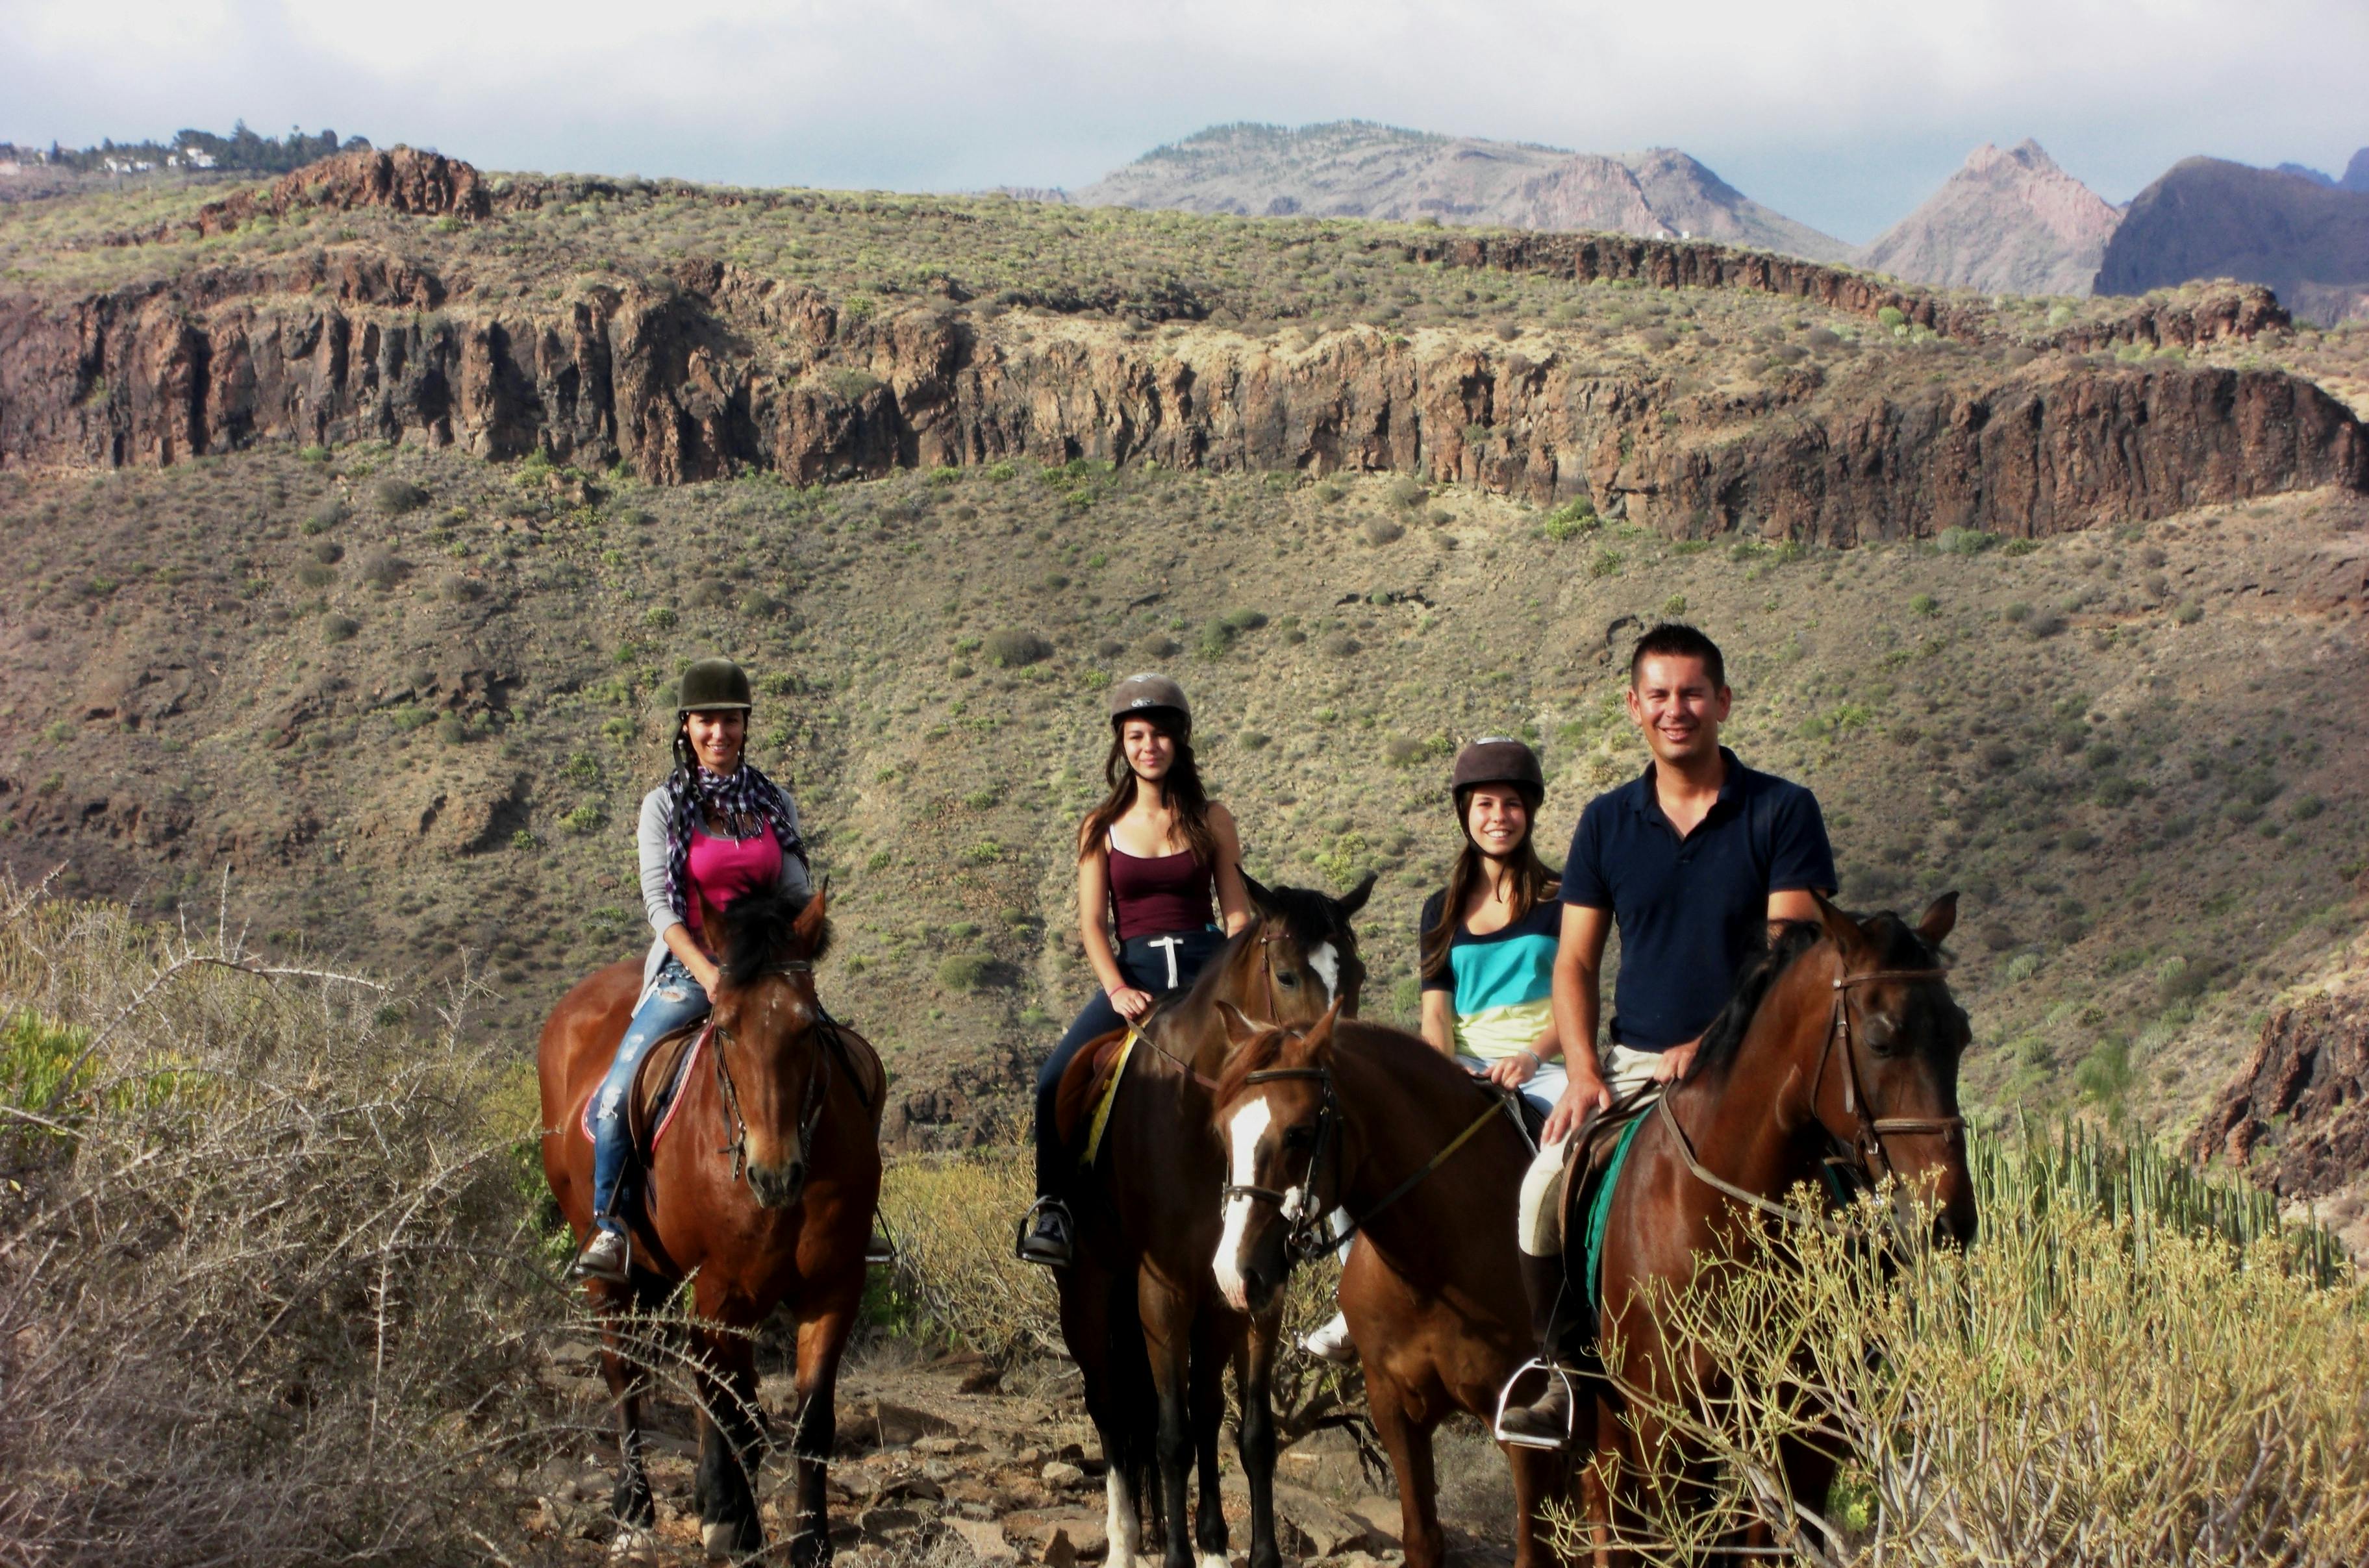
column 1897, row 947
column 758, row 927
column 1259, row 1054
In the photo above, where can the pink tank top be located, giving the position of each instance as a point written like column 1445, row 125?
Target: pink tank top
column 721, row 870
column 1153, row 895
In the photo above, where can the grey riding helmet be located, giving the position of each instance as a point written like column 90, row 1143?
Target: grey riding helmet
column 1497, row 759
column 1149, row 696
column 711, row 685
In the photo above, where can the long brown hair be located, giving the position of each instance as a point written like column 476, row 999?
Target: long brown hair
column 1183, row 787
column 1533, row 883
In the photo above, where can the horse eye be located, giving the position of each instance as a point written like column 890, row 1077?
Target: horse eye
column 1288, row 978
column 1299, row 1137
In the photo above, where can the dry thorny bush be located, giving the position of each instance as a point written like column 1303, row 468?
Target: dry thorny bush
column 2057, row 1395
column 269, row 1291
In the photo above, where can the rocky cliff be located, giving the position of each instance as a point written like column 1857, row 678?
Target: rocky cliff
column 2297, row 1115
column 2006, row 222
column 2209, row 218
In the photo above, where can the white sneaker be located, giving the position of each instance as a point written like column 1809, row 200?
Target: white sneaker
column 1331, row 1342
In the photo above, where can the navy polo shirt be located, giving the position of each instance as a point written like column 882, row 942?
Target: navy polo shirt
column 1690, row 911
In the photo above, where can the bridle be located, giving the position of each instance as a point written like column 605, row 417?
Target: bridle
column 1268, row 932
column 1307, row 1239
column 735, row 1124
column 1864, row 1157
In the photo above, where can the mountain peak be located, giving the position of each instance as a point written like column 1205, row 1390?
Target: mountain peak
column 2007, row 221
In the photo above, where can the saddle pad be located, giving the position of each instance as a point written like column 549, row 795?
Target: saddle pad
column 1082, row 1086
column 1600, row 1211
column 657, row 1089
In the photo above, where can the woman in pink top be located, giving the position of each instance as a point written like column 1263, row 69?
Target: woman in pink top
column 1153, row 856
column 715, row 831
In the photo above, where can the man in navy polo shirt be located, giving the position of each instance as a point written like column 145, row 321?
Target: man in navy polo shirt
column 1694, row 860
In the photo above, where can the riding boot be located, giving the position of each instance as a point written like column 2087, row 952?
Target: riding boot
column 1547, row 1420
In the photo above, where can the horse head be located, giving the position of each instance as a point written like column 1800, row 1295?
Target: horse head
column 768, row 1037
column 1300, row 955
column 1281, row 1126
column 1888, row 1087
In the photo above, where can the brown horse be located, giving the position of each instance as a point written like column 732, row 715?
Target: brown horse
column 1841, row 1041
column 1428, row 1164
column 764, row 1195
column 1139, row 1310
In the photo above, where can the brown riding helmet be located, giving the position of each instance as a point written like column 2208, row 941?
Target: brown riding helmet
column 1148, row 695
column 711, row 686
column 1498, row 759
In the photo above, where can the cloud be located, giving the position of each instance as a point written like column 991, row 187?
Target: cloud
column 1842, row 112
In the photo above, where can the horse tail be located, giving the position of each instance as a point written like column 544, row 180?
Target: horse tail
column 1135, row 1398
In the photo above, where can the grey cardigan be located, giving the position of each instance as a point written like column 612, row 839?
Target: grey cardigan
column 652, row 838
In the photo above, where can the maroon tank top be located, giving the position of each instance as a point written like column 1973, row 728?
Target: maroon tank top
column 1153, row 895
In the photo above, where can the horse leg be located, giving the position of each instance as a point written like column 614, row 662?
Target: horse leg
column 1093, row 1320
column 1168, row 1339
column 1404, row 1425
column 1537, row 1476
column 1255, row 1440
column 628, row 1381
column 1207, row 1408
column 823, row 1339
column 730, row 1435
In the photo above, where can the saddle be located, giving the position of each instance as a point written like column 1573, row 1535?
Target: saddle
column 1081, row 1101
column 1592, row 1163
column 658, row 1085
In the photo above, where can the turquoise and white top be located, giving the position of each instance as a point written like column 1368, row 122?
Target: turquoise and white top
column 1503, row 981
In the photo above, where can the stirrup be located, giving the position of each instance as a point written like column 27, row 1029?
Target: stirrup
column 880, row 1248
column 1561, row 1374
column 625, row 1275
column 1028, row 1225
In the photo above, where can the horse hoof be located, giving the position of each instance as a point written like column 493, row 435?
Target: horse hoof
column 632, row 1543
column 721, row 1540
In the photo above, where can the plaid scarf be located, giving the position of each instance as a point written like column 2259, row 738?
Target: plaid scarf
column 742, row 799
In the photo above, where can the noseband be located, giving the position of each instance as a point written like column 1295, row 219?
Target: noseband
column 735, row 1124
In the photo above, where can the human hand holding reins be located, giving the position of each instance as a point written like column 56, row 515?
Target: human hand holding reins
column 1513, row 1072
column 1129, row 1002
column 1586, row 1095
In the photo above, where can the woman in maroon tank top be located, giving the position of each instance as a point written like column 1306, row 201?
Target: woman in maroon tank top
column 1153, row 857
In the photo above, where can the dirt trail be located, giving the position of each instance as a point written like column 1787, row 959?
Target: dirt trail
column 944, row 1462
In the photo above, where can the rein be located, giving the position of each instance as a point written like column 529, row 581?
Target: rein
column 1866, row 1157
column 1307, row 1240
column 735, row 1124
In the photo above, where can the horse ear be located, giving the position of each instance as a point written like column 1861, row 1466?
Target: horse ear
column 1349, row 903
column 1256, row 890
column 1320, row 1034
column 1841, row 929
column 808, row 927
column 1241, row 1029
column 1941, row 918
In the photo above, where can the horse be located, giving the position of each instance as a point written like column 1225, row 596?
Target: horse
column 1840, row 1043
column 1139, row 1312
column 1427, row 1161
column 764, row 1196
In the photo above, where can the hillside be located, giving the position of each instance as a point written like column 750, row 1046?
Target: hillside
column 2208, row 218
column 2006, row 222
column 365, row 516
column 1353, row 169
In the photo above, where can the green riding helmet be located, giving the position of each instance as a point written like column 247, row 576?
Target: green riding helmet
column 1145, row 695
column 711, row 685
column 1497, row 759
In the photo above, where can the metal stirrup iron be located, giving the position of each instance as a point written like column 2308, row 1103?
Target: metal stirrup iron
column 1571, row 1406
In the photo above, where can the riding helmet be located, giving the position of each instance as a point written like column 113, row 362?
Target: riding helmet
column 1145, row 695
column 1498, row 759
column 710, row 685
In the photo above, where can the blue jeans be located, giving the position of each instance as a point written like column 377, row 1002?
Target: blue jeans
column 1154, row 964
column 674, row 1000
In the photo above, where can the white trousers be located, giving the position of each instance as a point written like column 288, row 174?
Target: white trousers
column 1539, row 1225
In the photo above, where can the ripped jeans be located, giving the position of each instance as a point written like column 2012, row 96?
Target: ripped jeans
column 674, row 1000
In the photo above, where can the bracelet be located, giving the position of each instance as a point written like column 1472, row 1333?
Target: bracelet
column 1538, row 1062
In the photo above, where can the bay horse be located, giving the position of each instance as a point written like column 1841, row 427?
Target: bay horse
column 1428, row 1163
column 1840, row 1044
column 1139, row 1312
column 763, row 1196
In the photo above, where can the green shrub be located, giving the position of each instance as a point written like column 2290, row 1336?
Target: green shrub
column 397, row 497
column 1381, row 530
column 1571, row 519
column 1965, row 541
column 1407, row 492
column 964, row 971
column 313, row 574
column 2189, row 613
column 328, row 551
column 1246, row 619
column 326, row 516
column 383, row 569
column 1924, row 604
column 659, row 617
column 1606, row 563
column 1252, row 740
column 338, row 628
column 2016, row 613
column 586, row 818
column 1216, row 637
column 452, row 729
column 411, row 716
column 1014, row 649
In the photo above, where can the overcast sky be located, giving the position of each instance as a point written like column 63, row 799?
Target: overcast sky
column 1842, row 113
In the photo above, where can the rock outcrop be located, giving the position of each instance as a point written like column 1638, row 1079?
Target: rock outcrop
column 401, row 180
column 717, row 368
column 2008, row 222
column 2297, row 1115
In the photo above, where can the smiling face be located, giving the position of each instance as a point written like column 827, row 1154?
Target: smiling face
column 1498, row 819
column 1150, row 751
column 716, row 735
column 1674, row 701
